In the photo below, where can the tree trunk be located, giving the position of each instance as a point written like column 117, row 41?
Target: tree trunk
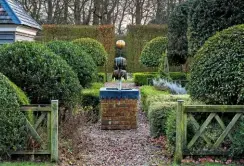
column 49, row 12
column 77, row 12
column 96, row 12
column 138, row 12
column 66, row 11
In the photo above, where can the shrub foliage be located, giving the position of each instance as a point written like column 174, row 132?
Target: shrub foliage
column 103, row 33
column 40, row 73
column 136, row 39
column 217, row 72
column 209, row 16
column 153, row 52
column 94, row 48
column 177, row 35
column 77, row 58
column 12, row 121
column 157, row 115
column 143, row 78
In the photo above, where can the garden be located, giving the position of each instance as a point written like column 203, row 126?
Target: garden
column 190, row 74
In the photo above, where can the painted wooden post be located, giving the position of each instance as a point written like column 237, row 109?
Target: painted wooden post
column 179, row 132
column 54, row 130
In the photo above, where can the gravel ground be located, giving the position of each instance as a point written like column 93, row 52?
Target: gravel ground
column 117, row 148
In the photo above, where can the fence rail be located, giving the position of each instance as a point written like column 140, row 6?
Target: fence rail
column 185, row 115
column 50, row 114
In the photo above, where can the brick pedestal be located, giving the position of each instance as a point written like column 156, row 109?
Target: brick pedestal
column 119, row 109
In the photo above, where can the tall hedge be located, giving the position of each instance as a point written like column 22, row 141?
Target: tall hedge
column 209, row 16
column 217, row 75
column 12, row 121
column 153, row 52
column 104, row 34
column 40, row 73
column 136, row 39
column 177, row 35
column 77, row 58
column 93, row 48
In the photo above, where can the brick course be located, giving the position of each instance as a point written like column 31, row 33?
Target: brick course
column 119, row 114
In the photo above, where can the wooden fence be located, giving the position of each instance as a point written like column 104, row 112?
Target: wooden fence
column 184, row 116
column 46, row 114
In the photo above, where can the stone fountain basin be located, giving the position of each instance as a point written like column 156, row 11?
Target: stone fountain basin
column 115, row 93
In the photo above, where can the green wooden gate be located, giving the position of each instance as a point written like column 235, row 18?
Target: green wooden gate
column 184, row 116
column 46, row 114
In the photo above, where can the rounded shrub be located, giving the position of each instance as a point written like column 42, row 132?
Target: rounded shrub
column 12, row 121
column 40, row 73
column 209, row 16
column 217, row 73
column 94, row 48
column 77, row 58
column 153, row 51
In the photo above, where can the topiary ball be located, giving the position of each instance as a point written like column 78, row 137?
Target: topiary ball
column 12, row 122
column 153, row 51
column 217, row 74
column 94, row 48
column 40, row 73
column 77, row 58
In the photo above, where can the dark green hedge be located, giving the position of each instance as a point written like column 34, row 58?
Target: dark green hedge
column 141, row 79
column 90, row 102
column 153, row 52
column 80, row 61
column 177, row 35
column 217, row 73
column 12, row 122
column 147, row 92
column 209, row 16
column 40, row 73
column 101, row 77
column 144, row 78
column 157, row 115
column 178, row 76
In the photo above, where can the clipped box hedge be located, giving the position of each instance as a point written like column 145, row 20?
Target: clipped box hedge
column 90, row 102
column 147, row 91
column 141, row 79
column 157, row 115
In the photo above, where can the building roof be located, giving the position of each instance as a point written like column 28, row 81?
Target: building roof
column 12, row 12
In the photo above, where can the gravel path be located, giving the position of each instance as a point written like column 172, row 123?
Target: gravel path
column 117, row 148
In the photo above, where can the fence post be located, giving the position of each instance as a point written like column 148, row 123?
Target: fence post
column 54, row 130
column 179, row 133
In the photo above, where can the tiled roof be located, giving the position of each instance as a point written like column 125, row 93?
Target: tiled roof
column 11, row 12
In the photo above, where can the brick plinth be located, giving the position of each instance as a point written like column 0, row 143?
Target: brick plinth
column 119, row 114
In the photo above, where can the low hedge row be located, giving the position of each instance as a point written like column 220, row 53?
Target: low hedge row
column 101, row 77
column 141, row 79
column 158, row 108
column 147, row 91
column 90, row 102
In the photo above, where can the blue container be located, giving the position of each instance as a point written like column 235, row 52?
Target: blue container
column 114, row 93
